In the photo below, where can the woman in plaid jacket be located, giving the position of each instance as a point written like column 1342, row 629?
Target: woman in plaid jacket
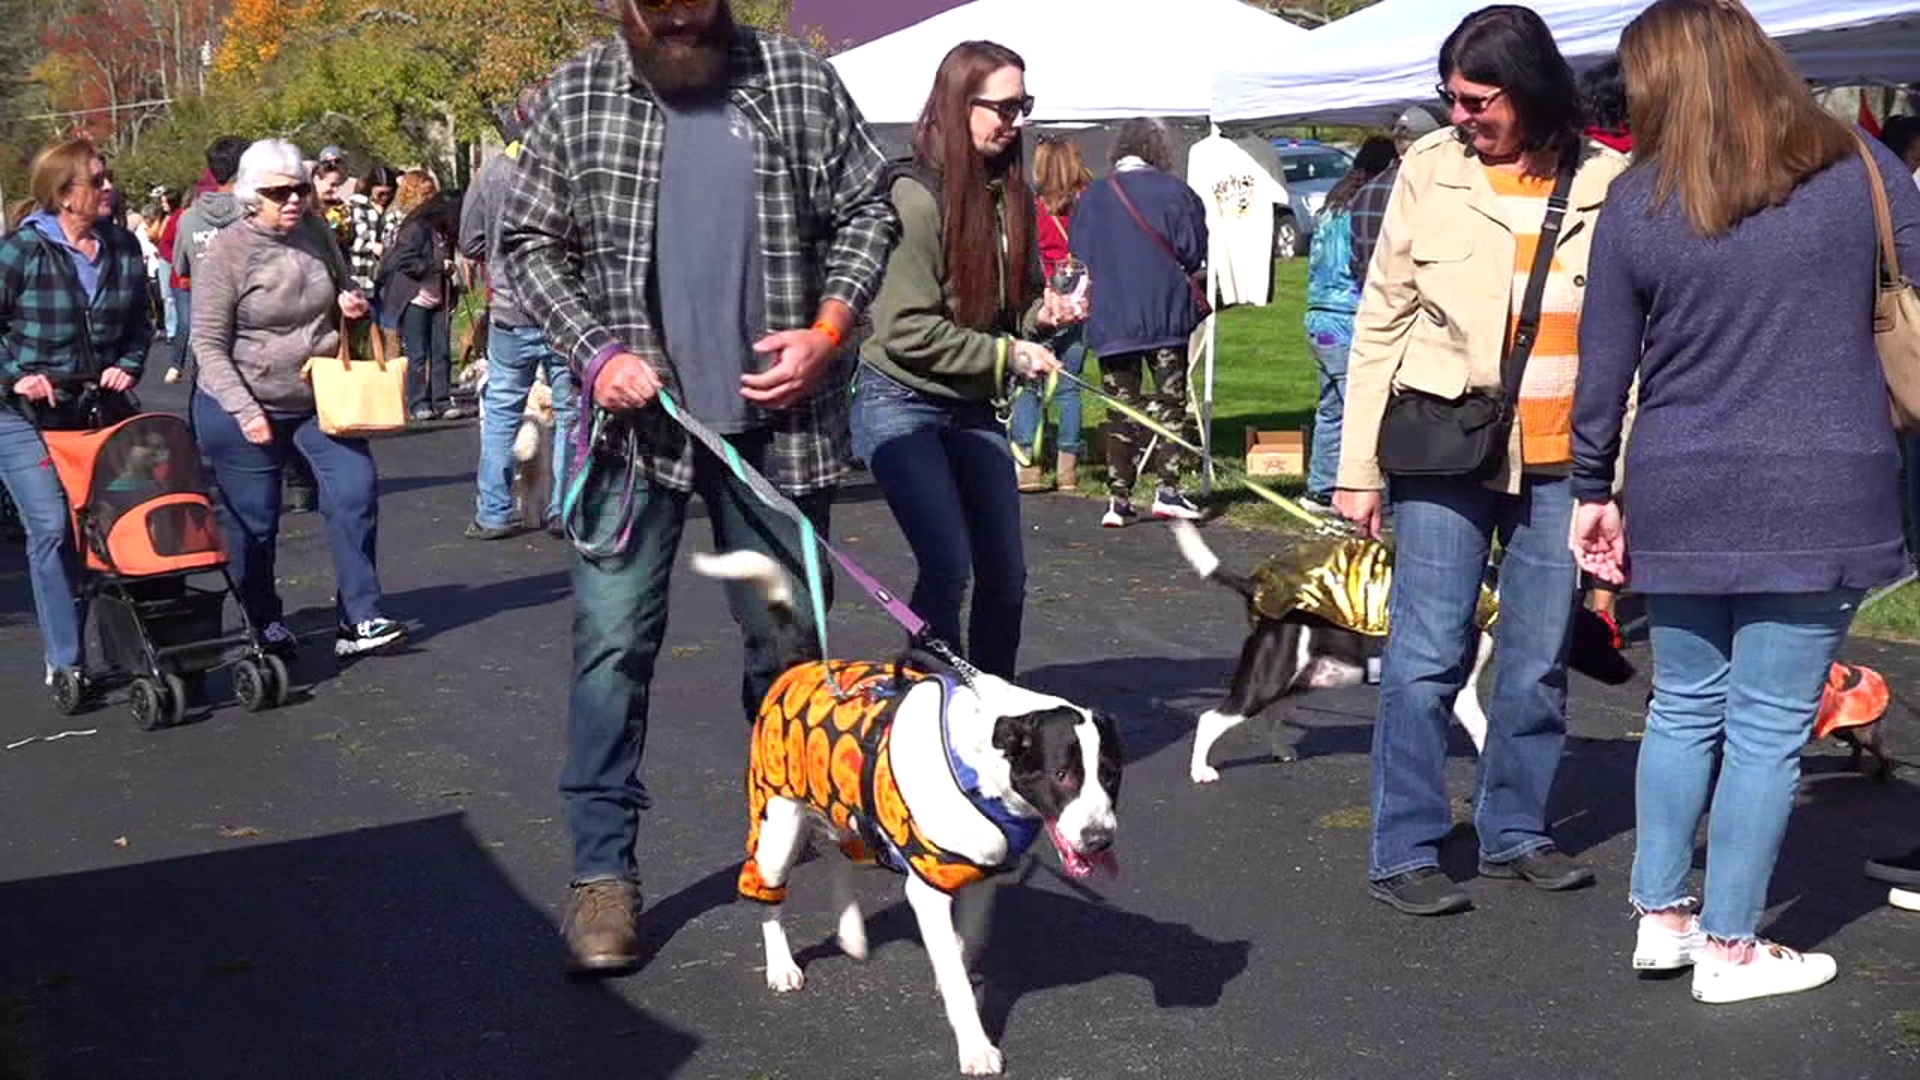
column 73, row 302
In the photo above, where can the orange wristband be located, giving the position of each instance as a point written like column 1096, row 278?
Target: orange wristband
column 832, row 332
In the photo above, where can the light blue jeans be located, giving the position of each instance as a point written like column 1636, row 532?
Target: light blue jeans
column 1444, row 527
column 30, row 479
column 1070, row 346
column 1330, row 339
column 515, row 355
column 1742, row 676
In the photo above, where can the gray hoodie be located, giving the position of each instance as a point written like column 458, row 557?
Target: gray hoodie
column 264, row 303
column 207, row 216
column 480, row 219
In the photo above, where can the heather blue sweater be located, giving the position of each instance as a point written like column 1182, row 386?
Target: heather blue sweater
column 1141, row 300
column 1763, row 458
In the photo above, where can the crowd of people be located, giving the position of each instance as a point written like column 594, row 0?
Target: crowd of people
column 1495, row 305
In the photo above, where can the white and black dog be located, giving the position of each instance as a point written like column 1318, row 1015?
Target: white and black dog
column 945, row 781
column 1304, row 651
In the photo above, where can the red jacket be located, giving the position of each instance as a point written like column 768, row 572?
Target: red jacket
column 1053, row 238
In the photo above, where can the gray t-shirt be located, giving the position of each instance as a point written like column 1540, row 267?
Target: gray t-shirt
column 709, row 275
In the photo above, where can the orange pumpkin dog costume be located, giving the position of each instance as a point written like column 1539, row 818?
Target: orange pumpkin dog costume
column 835, row 756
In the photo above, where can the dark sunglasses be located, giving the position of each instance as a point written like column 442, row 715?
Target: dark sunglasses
column 1473, row 103
column 285, row 193
column 1009, row 110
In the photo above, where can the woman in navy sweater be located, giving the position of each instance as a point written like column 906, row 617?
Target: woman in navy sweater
column 1733, row 270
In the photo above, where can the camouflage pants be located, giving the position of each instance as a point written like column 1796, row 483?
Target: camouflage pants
column 1132, row 449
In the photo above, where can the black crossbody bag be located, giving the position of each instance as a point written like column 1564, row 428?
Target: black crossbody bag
column 1426, row 435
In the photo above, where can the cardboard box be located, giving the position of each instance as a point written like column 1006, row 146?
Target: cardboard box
column 1276, row 453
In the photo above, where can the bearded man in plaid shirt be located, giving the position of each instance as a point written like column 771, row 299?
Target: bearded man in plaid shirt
column 698, row 209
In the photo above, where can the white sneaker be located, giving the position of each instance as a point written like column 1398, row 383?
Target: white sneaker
column 1774, row 969
column 1657, row 948
column 1904, row 899
column 366, row 637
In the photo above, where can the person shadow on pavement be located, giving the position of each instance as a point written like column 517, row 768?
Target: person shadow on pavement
column 395, row 951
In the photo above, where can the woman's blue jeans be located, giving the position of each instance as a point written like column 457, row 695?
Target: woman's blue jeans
column 1330, row 339
column 1070, row 346
column 29, row 477
column 1444, row 528
column 947, row 474
column 1738, row 677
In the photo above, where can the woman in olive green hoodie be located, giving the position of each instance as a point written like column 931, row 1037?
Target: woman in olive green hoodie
column 950, row 324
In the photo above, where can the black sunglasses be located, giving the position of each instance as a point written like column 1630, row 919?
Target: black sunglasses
column 1009, row 110
column 1473, row 103
column 285, row 193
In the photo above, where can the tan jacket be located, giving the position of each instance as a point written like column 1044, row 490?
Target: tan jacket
column 1439, row 291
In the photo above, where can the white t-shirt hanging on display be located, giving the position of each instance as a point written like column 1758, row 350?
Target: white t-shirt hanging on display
column 1240, row 196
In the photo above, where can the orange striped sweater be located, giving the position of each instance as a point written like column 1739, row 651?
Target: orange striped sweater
column 1545, row 409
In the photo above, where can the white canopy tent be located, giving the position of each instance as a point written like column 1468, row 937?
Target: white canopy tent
column 1087, row 60
column 1366, row 68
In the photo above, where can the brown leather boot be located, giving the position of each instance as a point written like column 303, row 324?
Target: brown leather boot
column 602, row 927
column 1067, row 471
column 1033, row 481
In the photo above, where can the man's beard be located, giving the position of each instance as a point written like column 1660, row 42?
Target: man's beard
column 690, row 65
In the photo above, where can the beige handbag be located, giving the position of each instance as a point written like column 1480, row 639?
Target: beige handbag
column 358, row 398
column 1896, row 314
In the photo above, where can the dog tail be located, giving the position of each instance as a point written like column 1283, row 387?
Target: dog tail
column 1204, row 562
column 793, row 644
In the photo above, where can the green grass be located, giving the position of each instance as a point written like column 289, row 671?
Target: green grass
column 1895, row 617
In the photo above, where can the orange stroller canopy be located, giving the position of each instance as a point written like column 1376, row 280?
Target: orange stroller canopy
column 139, row 504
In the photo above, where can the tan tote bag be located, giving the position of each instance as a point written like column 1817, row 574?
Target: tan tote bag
column 1896, row 314
column 359, row 398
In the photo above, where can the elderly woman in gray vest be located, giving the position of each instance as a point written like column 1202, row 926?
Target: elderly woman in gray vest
column 271, row 293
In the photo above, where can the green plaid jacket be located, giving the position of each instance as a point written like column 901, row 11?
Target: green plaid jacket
column 41, row 307
column 577, row 228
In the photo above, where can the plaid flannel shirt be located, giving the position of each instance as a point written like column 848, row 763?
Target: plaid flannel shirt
column 1368, row 208
column 368, row 226
column 41, row 306
column 577, row 229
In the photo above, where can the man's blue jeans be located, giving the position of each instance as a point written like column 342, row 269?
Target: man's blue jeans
column 249, row 478
column 1443, row 529
column 620, row 621
column 30, row 479
column 515, row 355
column 1070, row 346
column 1330, row 339
column 947, row 473
column 1738, row 677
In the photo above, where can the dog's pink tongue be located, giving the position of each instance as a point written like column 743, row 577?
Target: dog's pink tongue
column 1077, row 865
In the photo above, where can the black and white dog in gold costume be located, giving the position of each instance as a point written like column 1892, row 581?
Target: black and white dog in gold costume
column 1320, row 620
column 945, row 780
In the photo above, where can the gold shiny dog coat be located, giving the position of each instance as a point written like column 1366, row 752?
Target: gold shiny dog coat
column 1346, row 582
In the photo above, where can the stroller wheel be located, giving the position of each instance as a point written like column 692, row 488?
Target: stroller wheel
column 176, row 700
column 151, row 709
column 281, row 680
column 69, row 691
column 250, row 685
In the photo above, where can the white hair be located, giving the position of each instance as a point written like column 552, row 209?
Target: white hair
column 268, row 157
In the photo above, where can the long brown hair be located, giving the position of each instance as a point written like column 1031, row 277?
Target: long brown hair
column 943, row 142
column 1719, row 114
column 415, row 188
column 1060, row 176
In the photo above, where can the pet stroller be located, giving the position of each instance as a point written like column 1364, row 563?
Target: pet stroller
column 153, row 572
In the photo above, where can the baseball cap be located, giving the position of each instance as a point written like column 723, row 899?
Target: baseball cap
column 332, row 153
column 1415, row 121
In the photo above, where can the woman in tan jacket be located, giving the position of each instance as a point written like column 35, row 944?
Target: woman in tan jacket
column 1445, row 289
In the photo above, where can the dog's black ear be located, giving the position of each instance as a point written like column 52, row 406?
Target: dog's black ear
column 1109, row 734
column 1013, row 735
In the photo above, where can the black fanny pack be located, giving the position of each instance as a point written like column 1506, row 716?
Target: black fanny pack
column 1424, row 434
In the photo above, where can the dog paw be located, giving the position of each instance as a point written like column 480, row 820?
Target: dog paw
column 785, row 978
column 981, row 1059
column 1205, row 774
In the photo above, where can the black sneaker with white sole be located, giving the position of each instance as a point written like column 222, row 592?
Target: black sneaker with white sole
column 1422, row 891
column 1170, row 505
column 1120, row 514
column 369, row 636
column 278, row 640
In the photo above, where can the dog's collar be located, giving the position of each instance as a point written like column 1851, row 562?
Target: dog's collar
column 1020, row 831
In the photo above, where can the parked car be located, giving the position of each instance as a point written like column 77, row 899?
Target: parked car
column 1308, row 169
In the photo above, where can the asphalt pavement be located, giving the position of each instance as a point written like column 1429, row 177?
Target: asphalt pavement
column 367, row 883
